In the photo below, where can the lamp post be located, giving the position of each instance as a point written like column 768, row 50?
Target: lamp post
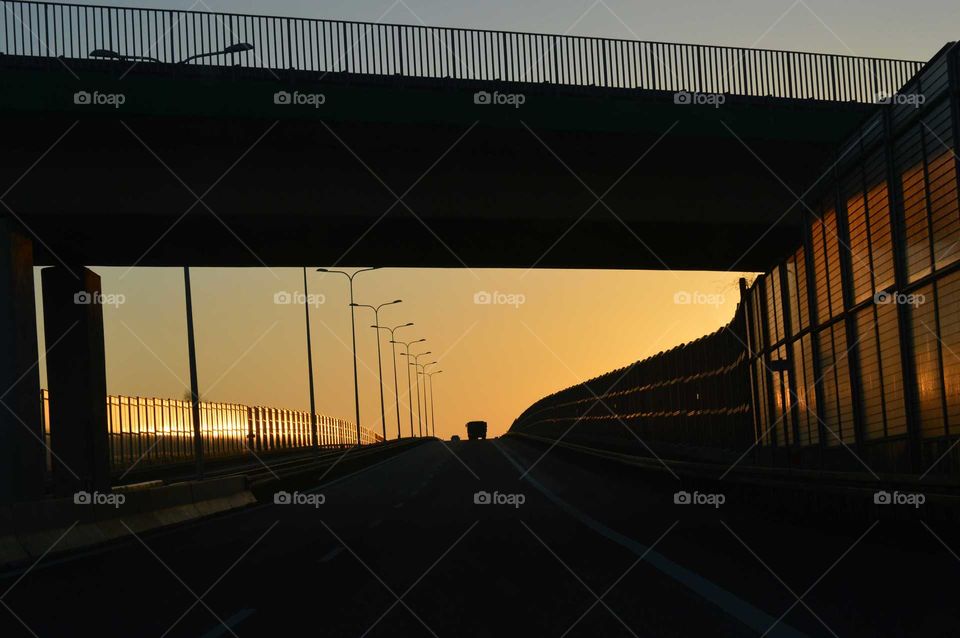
column 314, row 439
column 376, row 318
column 239, row 47
column 416, row 363
column 406, row 345
column 393, row 348
column 433, row 414
column 109, row 54
column 353, row 332
column 423, row 371
column 194, row 384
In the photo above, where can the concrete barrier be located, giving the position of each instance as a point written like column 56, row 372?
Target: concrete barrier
column 224, row 494
column 30, row 530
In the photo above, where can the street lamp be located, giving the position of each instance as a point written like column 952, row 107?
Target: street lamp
column 433, row 415
column 109, row 54
column 194, row 384
column 416, row 363
column 314, row 438
column 429, row 417
column 422, row 370
column 407, row 345
column 393, row 347
column 353, row 331
column 239, row 47
column 376, row 316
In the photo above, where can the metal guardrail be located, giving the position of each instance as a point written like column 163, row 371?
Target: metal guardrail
column 50, row 29
column 155, row 431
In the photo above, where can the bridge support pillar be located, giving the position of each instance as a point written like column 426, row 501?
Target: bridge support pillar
column 22, row 451
column 77, row 379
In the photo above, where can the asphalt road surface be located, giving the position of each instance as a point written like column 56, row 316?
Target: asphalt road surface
column 570, row 548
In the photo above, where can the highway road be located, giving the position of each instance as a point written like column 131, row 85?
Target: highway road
column 573, row 548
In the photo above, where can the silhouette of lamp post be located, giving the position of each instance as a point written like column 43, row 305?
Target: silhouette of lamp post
column 406, row 345
column 423, row 371
column 239, row 47
column 433, row 414
column 416, row 363
column 393, row 348
column 376, row 319
column 353, row 332
column 314, row 434
column 109, row 54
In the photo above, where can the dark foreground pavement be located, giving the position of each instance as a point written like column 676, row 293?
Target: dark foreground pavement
column 402, row 549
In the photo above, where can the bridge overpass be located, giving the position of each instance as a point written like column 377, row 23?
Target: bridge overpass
column 147, row 137
column 321, row 140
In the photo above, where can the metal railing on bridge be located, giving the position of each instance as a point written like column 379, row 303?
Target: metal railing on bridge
column 336, row 46
column 147, row 431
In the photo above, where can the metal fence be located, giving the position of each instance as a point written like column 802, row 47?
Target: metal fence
column 855, row 337
column 694, row 395
column 325, row 46
column 846, row 355
column 151, row 430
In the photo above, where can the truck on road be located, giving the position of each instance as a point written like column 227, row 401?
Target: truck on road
column 476, row 430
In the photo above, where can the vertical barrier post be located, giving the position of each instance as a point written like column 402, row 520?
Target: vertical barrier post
column 21, row 435
column 77, row 379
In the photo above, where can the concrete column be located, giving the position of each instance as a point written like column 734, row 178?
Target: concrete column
column 77, row 378
column 22, row 451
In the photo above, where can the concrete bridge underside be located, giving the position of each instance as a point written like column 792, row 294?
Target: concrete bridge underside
column 199, row 166
column 202, row 168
